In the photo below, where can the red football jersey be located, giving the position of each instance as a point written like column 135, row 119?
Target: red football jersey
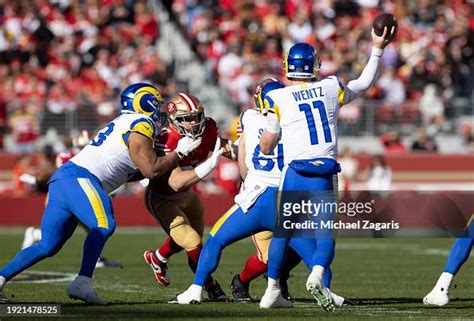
column 63, row 157
column 166, row 142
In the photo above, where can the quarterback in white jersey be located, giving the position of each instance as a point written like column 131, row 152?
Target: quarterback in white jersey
column 78, row 190
column 305, row 115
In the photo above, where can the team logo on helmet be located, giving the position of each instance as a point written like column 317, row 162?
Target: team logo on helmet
column 186, row 114
column 171, row 108
column 142, row 98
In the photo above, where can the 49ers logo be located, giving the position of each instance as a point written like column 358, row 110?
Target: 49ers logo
column 171, row 108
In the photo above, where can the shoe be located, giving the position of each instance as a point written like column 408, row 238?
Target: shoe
column 321, row 294
column 215, row 292
column 3, row 297
column 159, row 268
column 103, row 262
column 340, row 301
column 240, row 290
column 284, row 289
column 81, row 289
column 273, row 299
column 438, row 296
column 193, row 295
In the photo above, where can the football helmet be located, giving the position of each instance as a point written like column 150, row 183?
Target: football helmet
column 142, row 98
column 263, row 88
column 302, row 61
column 186, row 114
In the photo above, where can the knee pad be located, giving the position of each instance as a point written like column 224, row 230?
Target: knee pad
column 185, row 236
column 106, row 233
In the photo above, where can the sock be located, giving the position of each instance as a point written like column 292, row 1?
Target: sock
column 193, row 258
column 318, row 271
column 273, row 284
column 93, row 246
column 168, row 248
column 84, row 280
column 2, row 282
column 195, row 290
column 458, row 255
column 253, row 269
column 444, row 281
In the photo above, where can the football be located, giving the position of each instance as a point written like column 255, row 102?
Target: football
column 385, row 20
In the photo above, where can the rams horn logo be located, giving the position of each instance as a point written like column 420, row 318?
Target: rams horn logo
column 317, row 163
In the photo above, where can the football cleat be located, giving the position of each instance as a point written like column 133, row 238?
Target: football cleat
column 193, row 295
column 3, row 297
column 159, row 268
column 81, row 289
column 215, row 292
column 273, row 299
column 340, row 301
column 438, row 296
column 103, row 262
column 240, row 290
column 322, row 295
column 284, row 289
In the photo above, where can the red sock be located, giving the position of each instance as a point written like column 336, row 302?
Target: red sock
column 193, row 258
column 169, row 248
column 253, row 269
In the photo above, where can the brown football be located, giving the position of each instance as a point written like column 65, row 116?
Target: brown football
column 385, row 20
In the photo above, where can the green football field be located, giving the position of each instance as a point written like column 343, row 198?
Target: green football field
column 387, row 278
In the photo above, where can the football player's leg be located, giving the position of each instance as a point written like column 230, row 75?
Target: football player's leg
column 93, row 207
column 57, row 226
column 195, row 213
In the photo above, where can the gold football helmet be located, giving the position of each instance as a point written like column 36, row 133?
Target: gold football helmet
column 186, row 114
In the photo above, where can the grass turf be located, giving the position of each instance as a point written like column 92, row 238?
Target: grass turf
column 387, row 278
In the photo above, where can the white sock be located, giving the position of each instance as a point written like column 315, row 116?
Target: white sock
column 318, row 270
column 195, row 289
column 160, row 257
column 2, row 282
column 444, row 281
column 273, row 284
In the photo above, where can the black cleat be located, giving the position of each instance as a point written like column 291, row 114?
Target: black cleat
column 215, row 292
column 240, row 290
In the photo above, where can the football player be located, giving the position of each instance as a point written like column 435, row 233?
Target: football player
column 302, row 118
column 459, row 254
column 170, row 198
column 78, row 190
column 254, row 210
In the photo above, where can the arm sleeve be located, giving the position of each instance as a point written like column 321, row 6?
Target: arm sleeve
column 366, row 79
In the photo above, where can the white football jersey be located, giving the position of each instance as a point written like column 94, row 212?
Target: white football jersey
column 308, row 117
column 262, row 169
column 107, row 155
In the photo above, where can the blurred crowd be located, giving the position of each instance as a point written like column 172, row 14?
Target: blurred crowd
column 59, row 55
column 426, row 75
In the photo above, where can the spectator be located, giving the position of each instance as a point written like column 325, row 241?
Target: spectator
column 431, row 105
column 379, row 175
column 349, row 169
column 423, row 142
column 24, row 128
column 392, row 143
column 392, row 87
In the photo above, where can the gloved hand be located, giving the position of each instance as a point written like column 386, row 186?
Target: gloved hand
column 186, row 145
column 210, row 164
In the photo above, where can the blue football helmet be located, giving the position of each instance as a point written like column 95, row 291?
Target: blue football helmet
column 262, row 89
column 302, row 61
column 142, row 98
